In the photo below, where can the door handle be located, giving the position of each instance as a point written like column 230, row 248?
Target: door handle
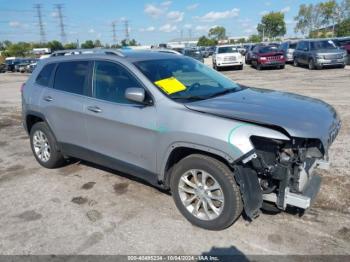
column 94, row 109
column 48, row 98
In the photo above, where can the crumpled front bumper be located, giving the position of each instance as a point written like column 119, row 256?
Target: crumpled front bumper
column 303, row 199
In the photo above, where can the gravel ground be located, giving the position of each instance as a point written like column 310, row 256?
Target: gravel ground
column 84, row 209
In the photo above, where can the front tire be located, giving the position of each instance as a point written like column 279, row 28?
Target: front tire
column 312, row 64
column 205, row 192
column 295, row 62
column 44, row 146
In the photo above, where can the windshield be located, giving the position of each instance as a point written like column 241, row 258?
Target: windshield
column 326, row 44
column 227, row 49
column 268, row 49
column 185, row 79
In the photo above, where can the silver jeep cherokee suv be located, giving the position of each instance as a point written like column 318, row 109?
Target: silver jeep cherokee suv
column 219, row 147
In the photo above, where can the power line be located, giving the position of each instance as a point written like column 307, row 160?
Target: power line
column 59, row 8
column 40, row 23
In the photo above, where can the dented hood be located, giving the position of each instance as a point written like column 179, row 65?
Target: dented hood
column 299, row 116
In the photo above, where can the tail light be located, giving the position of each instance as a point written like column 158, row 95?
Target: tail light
column 22, row 87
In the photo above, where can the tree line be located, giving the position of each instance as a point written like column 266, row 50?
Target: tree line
column 24, row 49
column 324, row 19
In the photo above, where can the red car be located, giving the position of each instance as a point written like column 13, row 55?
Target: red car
column 345, row 44
column 268, row 56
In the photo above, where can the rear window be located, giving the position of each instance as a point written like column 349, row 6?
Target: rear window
column 70, row 76
column 44, row 76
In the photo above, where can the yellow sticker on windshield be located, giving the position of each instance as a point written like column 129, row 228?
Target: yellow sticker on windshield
column 170, row 85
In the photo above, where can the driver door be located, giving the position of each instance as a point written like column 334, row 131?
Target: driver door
column 119, row 129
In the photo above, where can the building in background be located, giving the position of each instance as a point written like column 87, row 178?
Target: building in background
column 182, row 43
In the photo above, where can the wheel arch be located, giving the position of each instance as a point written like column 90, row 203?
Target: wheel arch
column 181, row 150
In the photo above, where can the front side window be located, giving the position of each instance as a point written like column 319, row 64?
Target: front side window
column 44, row 76
column 71, row 76
column 185, row 80
column 110, row 81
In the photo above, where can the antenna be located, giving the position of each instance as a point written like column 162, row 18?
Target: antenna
column 61, row 24
column 40, row 23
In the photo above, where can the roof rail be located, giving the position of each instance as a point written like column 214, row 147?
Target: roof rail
column 87, row 51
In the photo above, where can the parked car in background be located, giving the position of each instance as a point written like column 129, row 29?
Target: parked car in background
column 288, row 49
column 31, row 67
column 265, row 56
column 166, row 50
column 211, row 50
column 11, row 63
column 317, row 54
column 249, row 54
column 204, row 51
column 3, row 68
column 218, row 147
column 194, row 53
column 227, row 56
column 344, row 43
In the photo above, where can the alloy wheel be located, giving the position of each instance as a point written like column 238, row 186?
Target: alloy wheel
column 201, row 194
column 41, row 146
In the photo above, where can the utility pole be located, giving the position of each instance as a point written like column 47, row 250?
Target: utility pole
column 61, row 24
column 114, row 33
column 40, row 23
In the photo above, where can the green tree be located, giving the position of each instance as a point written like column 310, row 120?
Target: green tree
column 205, row 41
column 70, row 46
column 98, row 43
column 330, row 14
column 272, row 25
column 308, row 19
column 88, row 44
column 343, row 28
column 217, row 33
column 55, row 45
column 254, row 39
column 20, row 49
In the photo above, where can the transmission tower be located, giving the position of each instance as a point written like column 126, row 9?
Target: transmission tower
column 40, row 23
column 126, row 27
column 114, row 33
column 61, row 24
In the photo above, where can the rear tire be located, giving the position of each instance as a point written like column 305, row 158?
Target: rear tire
column 191, row 170
column 44, row 146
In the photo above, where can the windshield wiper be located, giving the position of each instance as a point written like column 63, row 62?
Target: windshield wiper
column 222, row 92
column 188, row 97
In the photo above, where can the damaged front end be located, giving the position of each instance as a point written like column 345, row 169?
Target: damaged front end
column 280, row 172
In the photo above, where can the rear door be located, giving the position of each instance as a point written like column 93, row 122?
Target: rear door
column 118, row 128
column 63, row 103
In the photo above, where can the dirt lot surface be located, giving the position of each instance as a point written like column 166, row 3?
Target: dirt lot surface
column 82, row 209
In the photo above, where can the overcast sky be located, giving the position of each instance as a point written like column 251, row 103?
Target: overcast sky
column 150, row 21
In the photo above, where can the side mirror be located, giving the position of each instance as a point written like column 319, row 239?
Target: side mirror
column 135, row 94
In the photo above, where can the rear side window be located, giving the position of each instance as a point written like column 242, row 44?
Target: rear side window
column 71, row 76
column 44, row 76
